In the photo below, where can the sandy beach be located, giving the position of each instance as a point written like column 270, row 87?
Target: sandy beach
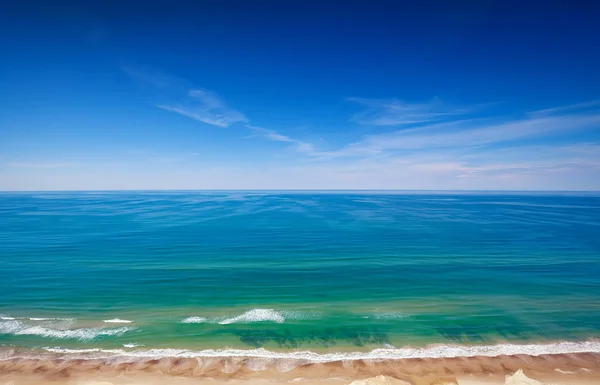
column 558, row 369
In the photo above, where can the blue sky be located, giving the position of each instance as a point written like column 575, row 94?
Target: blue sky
column 467, row 95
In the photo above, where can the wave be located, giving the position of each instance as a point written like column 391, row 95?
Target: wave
column 7, row 318
column 432, row 351
column 256, row 315
column 194, row 320
column 50, row 319
column 58, row 331
column 133, row 345
column 117, row 321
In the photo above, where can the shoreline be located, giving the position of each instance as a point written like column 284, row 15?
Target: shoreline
column 23, row 365
column 392, row 353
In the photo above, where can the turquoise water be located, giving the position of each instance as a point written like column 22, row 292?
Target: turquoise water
column 316, row 271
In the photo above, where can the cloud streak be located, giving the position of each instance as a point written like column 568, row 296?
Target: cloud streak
column 207, row 107
column 394, row 112
column 199, row 104
column 579, row 107
column 471, row 133
column 298, row 145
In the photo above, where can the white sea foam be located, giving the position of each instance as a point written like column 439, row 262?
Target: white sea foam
column 80, row 334
column 256, row 315
column 67, row 320
column 10, row 326
column 7, row 318
column 133, row 345
column 433, row 351
column 194, row 320
column 59, row 331
column 117, row 321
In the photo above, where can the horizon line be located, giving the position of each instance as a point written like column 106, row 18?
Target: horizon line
column 298, row 190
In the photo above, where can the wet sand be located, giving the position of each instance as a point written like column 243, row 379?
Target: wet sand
column 17, row 368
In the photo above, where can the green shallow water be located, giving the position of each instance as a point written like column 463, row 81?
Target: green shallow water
column 297, row 271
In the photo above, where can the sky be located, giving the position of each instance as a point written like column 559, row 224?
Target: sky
column 272, row 95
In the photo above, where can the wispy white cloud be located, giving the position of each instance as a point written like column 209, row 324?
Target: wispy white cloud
column 470, row 133
column 200, row 104
column 492, row 153
column 299, row 145
column 394, row 112
column 207, row 107
column 571, row 108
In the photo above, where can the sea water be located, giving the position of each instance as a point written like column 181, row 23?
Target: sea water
column 316, row 273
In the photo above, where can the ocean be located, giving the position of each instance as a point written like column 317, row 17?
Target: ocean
column 319, row 275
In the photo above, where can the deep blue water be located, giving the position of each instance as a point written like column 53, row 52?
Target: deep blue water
column 309, row 270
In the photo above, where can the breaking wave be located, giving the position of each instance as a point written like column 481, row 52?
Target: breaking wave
column 194, row 320
column 58, row 330
column 132, row 345
column 256, row 315
column 117, row 321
